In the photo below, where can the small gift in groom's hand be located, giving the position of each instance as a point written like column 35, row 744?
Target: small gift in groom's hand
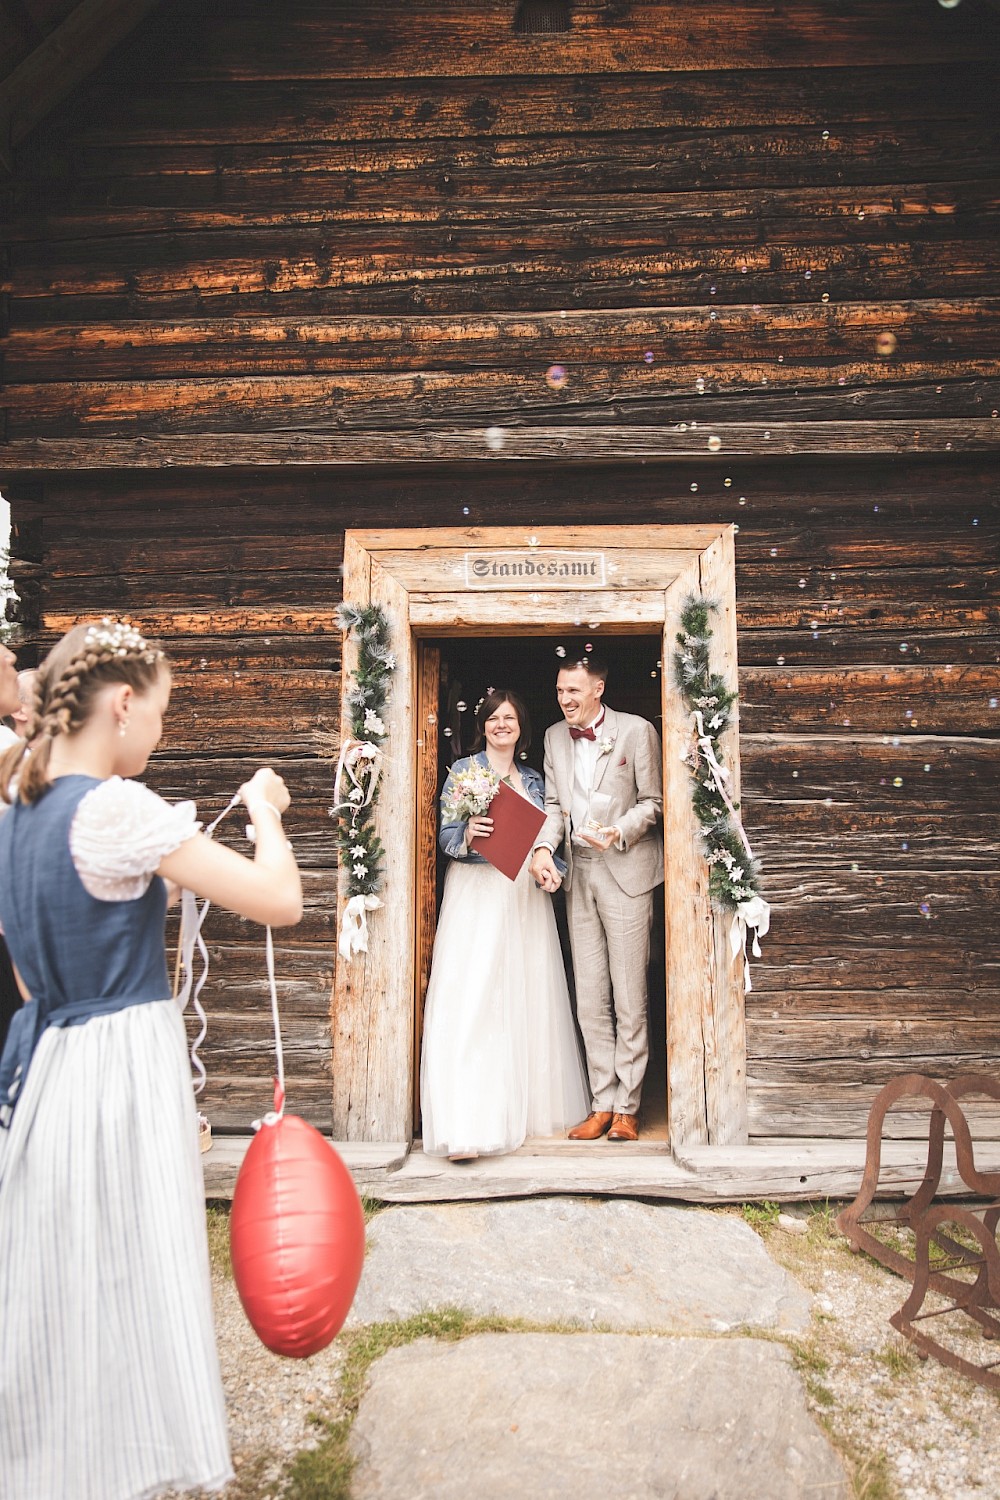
column 516, row 823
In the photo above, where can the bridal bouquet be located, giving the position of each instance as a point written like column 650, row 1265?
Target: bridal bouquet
column 469, row 792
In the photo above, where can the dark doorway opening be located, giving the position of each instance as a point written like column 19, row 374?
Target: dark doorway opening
column 470, row 666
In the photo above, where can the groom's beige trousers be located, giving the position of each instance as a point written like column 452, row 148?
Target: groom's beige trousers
column 609, row 935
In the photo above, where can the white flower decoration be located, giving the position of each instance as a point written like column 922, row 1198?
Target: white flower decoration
column 606, row 745
column 355, row 794
column 358, row 850
column 360, row 870
column 373, row 724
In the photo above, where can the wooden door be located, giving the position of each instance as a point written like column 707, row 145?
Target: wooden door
column 425, row 851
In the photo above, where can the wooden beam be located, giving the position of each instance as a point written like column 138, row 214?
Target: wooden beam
column 496, row 445
column 63, row 60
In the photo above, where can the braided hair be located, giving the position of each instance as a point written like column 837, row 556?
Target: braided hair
column 88, row 657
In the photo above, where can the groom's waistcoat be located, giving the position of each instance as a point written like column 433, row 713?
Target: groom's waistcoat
column 629, row 770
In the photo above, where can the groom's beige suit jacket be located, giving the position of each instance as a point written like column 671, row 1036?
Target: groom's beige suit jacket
column 630, row 772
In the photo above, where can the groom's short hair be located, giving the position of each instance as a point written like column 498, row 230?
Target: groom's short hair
column 595, row 666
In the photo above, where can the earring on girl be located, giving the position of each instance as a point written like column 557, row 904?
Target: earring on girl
column 122, row 727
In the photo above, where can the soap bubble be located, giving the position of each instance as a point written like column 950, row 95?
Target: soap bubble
column 461, row 705
column 903, row 646
column 909, row 713
column 897, row 781
column 774, row 550
column 826, row 135
column 589, row 646
column 949, row 4
column 555, row 377
column 728, row 483
column 699, row 386
column 465, row 510
column 926, row 768
column 885, row 344
column 714, row 444
column 694, row 489
column 802, row 583
column 993, row 703
column 925, row 906
column 795, row 775
column 495, row 438
column 648, row 356
column 841, row 379
column 781, row 661
column 560, row 650
column 904, row 846
column 825, row 297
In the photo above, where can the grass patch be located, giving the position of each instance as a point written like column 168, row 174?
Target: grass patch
column 761, row 1216
column 217, row 1220
column 897, row 1359
column 324, row 1472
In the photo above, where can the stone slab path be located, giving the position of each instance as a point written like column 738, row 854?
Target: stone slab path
column 590, row 1416
column 684, row 1408
column 579, row 1262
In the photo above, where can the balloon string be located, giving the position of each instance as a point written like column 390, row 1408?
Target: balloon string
column 279, row 1082
column 192, row 920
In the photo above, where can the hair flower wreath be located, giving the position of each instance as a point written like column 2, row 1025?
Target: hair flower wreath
column 119, row 638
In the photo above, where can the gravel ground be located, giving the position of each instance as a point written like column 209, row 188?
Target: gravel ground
column 913, row 1429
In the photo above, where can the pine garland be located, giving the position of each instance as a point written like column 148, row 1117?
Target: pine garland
column 734, row 876
column 361, row 850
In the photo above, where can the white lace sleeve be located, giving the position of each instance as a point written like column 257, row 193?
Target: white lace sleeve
column 121, row 832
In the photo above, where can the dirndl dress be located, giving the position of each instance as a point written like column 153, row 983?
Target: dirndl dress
column 110, row 1386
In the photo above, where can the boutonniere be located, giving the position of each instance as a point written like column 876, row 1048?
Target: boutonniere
column 606, row 745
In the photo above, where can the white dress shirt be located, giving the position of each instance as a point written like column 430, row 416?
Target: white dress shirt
column 585, row 755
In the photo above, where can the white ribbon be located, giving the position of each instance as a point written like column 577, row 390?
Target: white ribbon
column 351, row 752
column 754, row 913
column 354, row 925
column 192, row 919
column 719, row 775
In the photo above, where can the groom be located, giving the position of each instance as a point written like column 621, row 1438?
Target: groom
column 599, row 761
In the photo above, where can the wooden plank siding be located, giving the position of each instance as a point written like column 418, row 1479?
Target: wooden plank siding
column 858, row 981
column 269, row 274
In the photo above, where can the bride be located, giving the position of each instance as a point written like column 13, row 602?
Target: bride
column 501, row 1058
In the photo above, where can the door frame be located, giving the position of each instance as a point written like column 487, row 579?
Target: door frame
column 476, row 581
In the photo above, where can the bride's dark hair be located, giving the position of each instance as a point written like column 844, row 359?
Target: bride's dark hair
column 489, row 706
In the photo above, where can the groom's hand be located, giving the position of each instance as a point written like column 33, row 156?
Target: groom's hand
column 601, row 839
column 543, row 870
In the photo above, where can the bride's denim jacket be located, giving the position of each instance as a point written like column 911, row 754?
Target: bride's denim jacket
column 452, row 835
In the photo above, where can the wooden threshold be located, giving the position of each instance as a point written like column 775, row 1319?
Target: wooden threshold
column 781, row 1169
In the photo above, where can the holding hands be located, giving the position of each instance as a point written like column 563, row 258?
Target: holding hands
column 543, row 870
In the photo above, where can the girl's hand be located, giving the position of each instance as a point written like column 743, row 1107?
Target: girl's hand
column 478, row 828
column 265, row 785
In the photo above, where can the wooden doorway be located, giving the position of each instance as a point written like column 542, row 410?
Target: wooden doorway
column 454, row 585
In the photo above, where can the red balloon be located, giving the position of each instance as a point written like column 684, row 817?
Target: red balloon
column 297, row 1236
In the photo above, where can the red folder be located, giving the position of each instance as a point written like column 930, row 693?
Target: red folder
column 516, row 822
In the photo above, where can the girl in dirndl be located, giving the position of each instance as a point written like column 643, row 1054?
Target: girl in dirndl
column 109, row 1377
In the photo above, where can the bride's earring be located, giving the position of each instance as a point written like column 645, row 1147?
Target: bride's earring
column 122, row 727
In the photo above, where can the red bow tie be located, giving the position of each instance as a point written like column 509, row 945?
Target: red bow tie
column 586, row 734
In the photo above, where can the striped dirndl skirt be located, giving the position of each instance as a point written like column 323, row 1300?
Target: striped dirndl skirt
column 109, row 1375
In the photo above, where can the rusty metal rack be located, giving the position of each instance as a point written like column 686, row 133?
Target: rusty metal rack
column 937, row 1254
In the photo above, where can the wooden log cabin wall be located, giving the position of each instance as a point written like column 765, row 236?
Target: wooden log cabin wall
column 273, row 271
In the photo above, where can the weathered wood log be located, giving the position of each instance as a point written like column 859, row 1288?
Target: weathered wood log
column 591, row 345
column 455, row 38
column 567, row 444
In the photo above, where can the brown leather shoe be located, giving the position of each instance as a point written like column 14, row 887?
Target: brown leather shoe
column 593, row 1127
column 624, row 1128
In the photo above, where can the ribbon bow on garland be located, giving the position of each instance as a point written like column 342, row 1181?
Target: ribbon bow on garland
column 356, row 785
column 733, row 880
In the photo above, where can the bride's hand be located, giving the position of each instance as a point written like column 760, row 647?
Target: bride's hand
column 478, row 828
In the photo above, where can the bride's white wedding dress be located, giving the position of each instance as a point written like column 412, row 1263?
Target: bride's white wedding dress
column 501, row 1059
